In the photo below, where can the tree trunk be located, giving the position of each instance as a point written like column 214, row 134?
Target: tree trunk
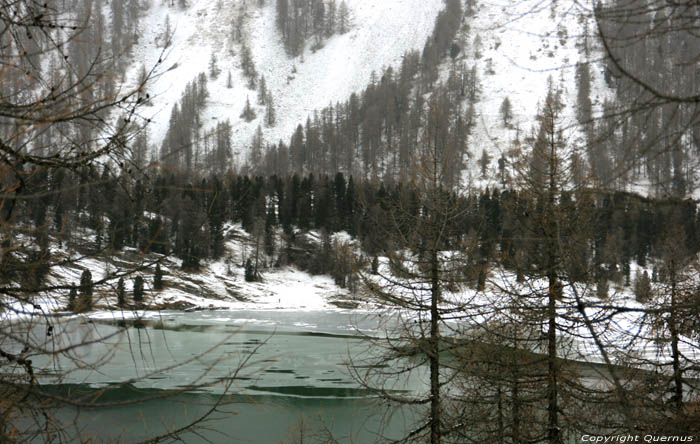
column 499, row 401
column 551, row 222
column 434, row 352
column 553, row 435
column 673, row 329
column 515, row 394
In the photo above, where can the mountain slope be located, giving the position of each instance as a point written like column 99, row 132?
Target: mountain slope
column 522, row 46
column 381, row 32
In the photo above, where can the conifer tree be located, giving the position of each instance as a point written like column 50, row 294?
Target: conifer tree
column 412, row 285
column 262, row 91
column 282, row 17
column 214, row 70
column 167, row 39
column 375, row 265
column 138, row 291
column 248, row 113
column 86, row 290
column 270, row 116
column 602, row 288
column 484, row 162
column 158, row 278
column 642, row 286
column 552, row 231
column 330, row 21
column 343, row 17
column 506, row 112
column 249, row 272
column 72, row 298
column 121, row 293
column 248, row 66
column 270, row 232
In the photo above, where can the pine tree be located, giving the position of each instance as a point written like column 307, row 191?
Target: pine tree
column 248, row 113
column 168, row 33
column 229, row 80
column 282, row 16
column 502, row 169
column 158, row 278
column 72, row 298
column 256, row 149
column 642, row 287
column 270, row 232
column 121, row 294
column 249, row 272
column 142, row 79
column 330, row 18
column 506, row 112
column 270, row 116
column 248, row 66
column 343, row 18
column 553, row 231
column 86, row 289
column 484, row 162
column 138, row 290
column 481, row 276
column 214, row 70
column 262, row 91
column 478, row 47
column 602, row 288
column 412, row 281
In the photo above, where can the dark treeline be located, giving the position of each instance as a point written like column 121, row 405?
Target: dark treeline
column 172, row 214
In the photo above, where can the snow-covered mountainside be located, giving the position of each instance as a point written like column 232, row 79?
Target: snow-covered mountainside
column 381, row 32
column 515, row 50
column 518, row 49
column 515, row 47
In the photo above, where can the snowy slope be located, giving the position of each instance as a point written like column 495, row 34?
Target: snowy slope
column 523, row 45
column 382, row 31
column 217, row 285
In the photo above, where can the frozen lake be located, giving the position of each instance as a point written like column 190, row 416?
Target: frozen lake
column 295, row 379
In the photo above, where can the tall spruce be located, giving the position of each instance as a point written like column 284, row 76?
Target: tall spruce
column 86, row 291
column 138, row 291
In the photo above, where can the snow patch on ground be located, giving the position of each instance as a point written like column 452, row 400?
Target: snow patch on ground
column 217, row 285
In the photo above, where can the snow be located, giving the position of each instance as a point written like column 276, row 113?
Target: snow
column 525, row 46
column 381, row 32
column 217, row 285
column 620, row 322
